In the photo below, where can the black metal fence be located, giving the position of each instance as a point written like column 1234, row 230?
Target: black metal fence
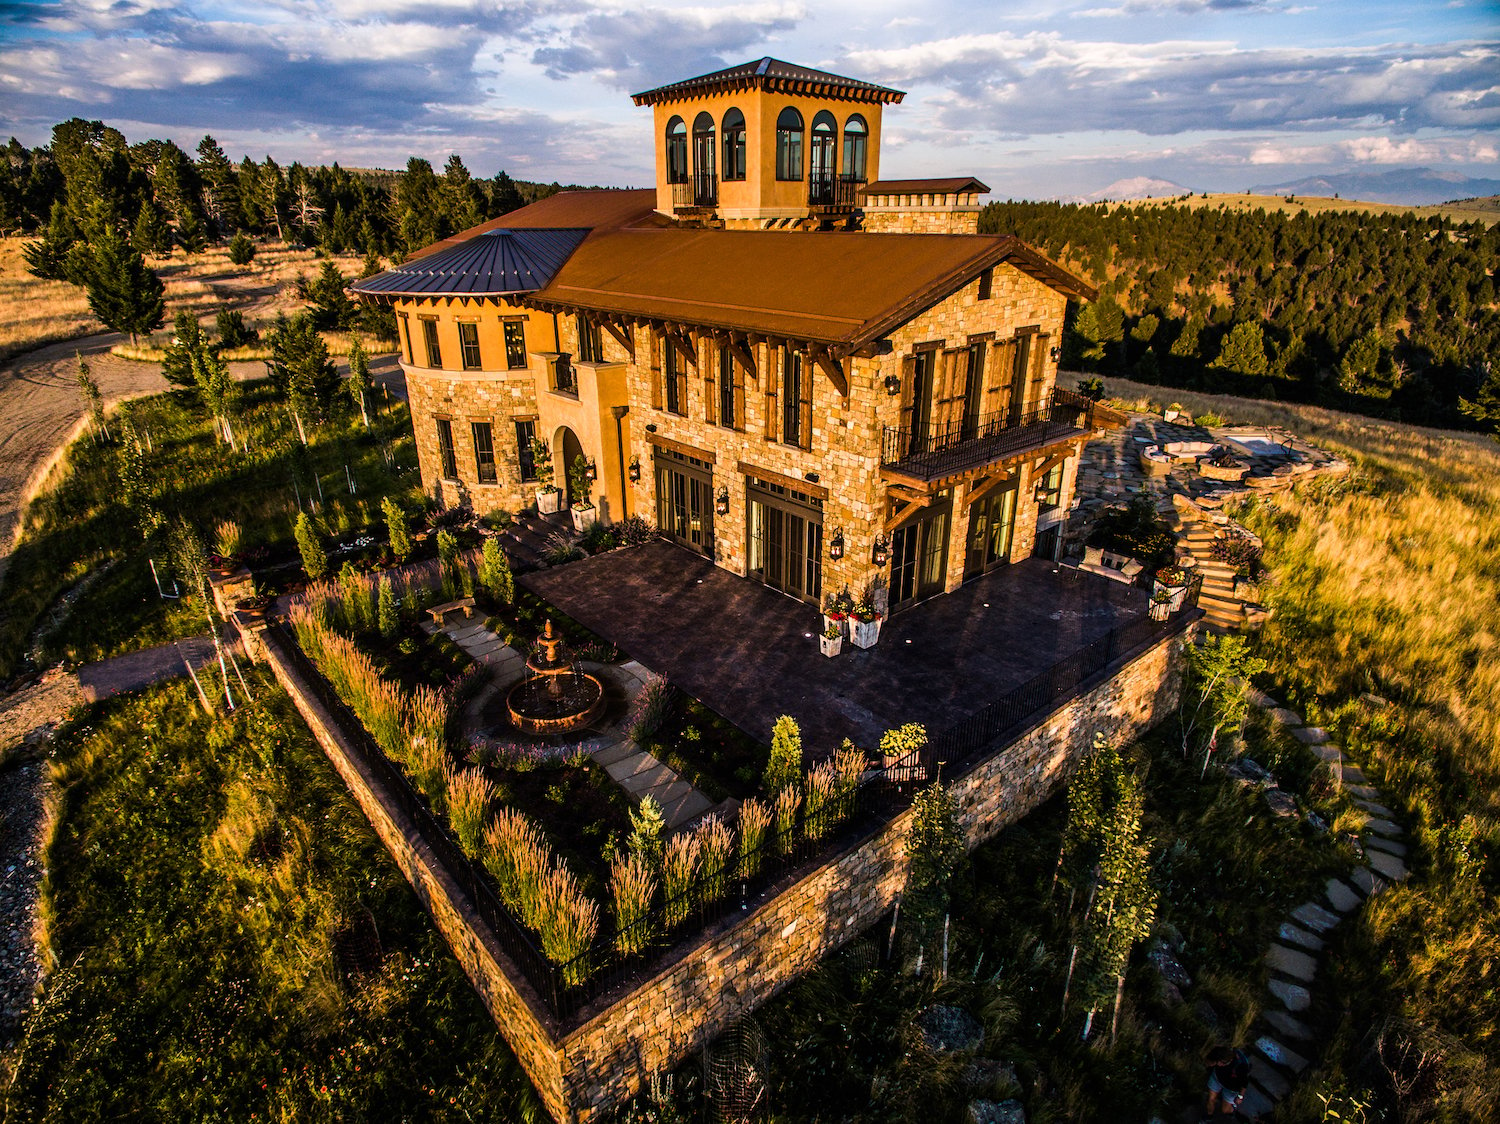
column 699, row 190
column 617, row 958
column 839, row 192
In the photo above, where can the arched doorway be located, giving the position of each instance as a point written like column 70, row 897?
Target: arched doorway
column 567, row 448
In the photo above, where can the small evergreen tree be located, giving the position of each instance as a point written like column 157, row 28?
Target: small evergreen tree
column 123, row 292
column 360, row 383
column 1214, row 697
column 1243, row 350
column 935, row 855
column 495, row 574
column 395, row 525
column 187, row 341
column 784, row 769
column 302, row 371
column 1485, row 406
column 150, row 235
column 233, row 332
column 647, row 826
column 388, row 617
column 93, row 400
column 48, row 257
column 330, row 308
column 314, row 558
column 241, row 249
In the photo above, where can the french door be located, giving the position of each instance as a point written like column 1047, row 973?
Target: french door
column 991, row 523
column 784, row 528
column 919, row 557
column 685, row 501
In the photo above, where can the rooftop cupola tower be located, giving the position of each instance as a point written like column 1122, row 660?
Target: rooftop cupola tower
column 766, row 145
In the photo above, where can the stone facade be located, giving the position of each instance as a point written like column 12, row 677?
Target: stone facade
column 929, row 213
column 609, row 1052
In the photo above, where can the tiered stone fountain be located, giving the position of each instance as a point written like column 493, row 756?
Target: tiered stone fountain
column 555, row 696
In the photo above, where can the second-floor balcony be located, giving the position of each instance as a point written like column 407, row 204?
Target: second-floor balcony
column 700, row 192
column 828, row 192
column 978, row 441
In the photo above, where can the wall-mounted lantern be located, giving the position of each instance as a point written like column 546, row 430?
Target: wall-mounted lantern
column 721, row 501
column 893, row 385
column 635, row 469
column 591, row 473
column 880, row 553
column 651, row 428
column 836, row 545
column 1055, row 353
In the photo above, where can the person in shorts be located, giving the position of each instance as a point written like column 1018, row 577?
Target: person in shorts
column 1228, row 1078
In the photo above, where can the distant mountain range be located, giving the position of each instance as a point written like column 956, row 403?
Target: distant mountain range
column 1137, row 187
column 1416, row 187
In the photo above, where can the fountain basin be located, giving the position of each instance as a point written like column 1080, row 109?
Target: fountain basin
column 536, row 709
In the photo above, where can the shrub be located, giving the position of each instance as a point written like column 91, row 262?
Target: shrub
column 646, row 828
column 788, row 800
column 495, row 573
column 785, row 765
column 715, row 858
column 634, row 530
column 314, row 558
column 241, row 249
column 755, row 818
column 678, row 872
column 469, row 795
column 229, row 539
column 652, row 709
column 395, row 523
column 388, row 617
column 233, row 333
column 1239, row 551
column 632, row 886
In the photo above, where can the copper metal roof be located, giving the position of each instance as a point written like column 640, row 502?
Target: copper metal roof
column 845, row 290
column 493, row 263
column 770, row 74
column 924, row 187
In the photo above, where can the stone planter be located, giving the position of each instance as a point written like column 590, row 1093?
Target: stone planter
column 1160, row 610
column 841, row 623
column 864, row 634
column 548, row 502
column 584, row 517
column 830, row 645
column 1174, row 595
column 1232, row 471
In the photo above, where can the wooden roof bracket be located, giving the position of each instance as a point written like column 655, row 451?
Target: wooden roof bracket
column 905, row 504
column 984, row 485
column 833, row 369
column 625, row 339
column 1051, row 462
column 740, row 348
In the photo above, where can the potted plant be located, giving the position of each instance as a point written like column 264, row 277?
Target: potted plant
column 548, row 497
column 1161, row 606
column 581, row 481
column 836, row 611
column 864, row 625
column 832, row 640
column 1171, row 585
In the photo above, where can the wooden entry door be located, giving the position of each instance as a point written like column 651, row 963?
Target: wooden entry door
column 991, row 522
column 685, row 500
column 784, row 529
column 919, row 556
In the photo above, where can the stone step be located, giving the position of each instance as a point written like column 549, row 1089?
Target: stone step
column 1273, row 1051
column 1329, row 753
column 1387, row 866
column 1272, row 1082
column 1380, row 811
column 1293, row 996
column 1311, row 915
column 1362, row 792
column 1381, row 843
column 1341, row 896
column 1286, row 717
column 1389, row 828
column 1259, row 698
column 1207, row 601
column 1366, row 882
column 1290, row 962
column 1288, row 1026
column 1257, row 1103
column 1353, row 774
column 1296, row 934
column 1311, row 735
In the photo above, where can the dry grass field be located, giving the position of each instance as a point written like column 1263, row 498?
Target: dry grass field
column 34, row 312
column 1485, row 210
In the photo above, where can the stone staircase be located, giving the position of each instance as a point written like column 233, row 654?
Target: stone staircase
column 525, row 539
column 1222, row 610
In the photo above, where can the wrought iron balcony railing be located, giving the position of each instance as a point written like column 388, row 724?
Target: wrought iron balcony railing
column 831, row 192
column 697, row 193
column 977, row 440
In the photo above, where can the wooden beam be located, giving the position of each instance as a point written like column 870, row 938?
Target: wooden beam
column 1051, row 462
column 684, row 343
column 983, row 487
column 904, row 514
column 834, row 370
column 623, row 338
column 742, row 351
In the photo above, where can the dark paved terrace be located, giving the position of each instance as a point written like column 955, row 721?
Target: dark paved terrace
column 751, row 653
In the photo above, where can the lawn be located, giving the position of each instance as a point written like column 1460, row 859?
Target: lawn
column 232, row 941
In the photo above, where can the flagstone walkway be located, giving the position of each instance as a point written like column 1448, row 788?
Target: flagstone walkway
column 1293, row 957
column 608, row 742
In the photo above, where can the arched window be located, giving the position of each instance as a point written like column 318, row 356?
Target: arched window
column 789, row 145
column 820, row 167
column 677, row 166
column 856, row 146
column 705, row 183
column 734, row 145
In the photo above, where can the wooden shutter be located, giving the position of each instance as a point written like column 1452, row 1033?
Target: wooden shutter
column 953, row 365
column 679, row 369
column 738, row 374
column 772, row 368
column 908, row 391
column 709, row 365
column 1036, row 394
column 804, row 402
column 656, row 387
column 1002, row 365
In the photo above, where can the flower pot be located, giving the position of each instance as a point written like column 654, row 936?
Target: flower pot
column 548, row 502
column 584, row 517
column 864, row 634
column 839, row 622
column 830, row 645
column 1174, row 595
column 1160, row 610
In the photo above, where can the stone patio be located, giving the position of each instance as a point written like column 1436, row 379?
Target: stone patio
column 751, row 654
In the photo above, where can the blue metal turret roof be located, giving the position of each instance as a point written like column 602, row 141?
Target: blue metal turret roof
column 492, row 263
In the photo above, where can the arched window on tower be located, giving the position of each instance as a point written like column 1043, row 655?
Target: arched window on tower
column 856, row 149
column 705, row 181
column 677, row 165
column 820, row 166
column 789, row 145
column 734, row 145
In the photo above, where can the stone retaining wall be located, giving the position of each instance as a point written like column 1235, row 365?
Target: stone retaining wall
column 612, row 1049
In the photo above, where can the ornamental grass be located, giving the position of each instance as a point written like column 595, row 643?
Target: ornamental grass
column 755, row 818
column 679, row 869
column 632, row 886
column 652, row 709
column 469, row 796
column 516, row 856
column 567, row 920
column 788, row 800
column 541, row 891
column 820, row 792
column 715, row 858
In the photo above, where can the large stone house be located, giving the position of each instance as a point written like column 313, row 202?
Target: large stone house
column 817, row 378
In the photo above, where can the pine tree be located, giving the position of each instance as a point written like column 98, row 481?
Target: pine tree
column 220, row 192
column 123, row 292
column 360, row 383
column 1485, row 406
column 495, row 573
column 314, row 558
column 48, row 256
column 784, row 769
column 460, row 196
column 241, row 249
column 1243, row 350
column 187, row 340
column 1358, row 368
column 330, row 309
column 1214, row 695
column 395, row 525
column 388, row 618
column 149, row 235
column 302, row 371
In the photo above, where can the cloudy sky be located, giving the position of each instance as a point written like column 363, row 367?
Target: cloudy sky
column 1040, row 98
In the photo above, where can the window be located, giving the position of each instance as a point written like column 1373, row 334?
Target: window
column 445, row 449
column 789, row 145
column 406, row 338
column 429, row 336
column 468, row 344
column 1049, row 489
column 675, row 377
column 484, row 453
column 734, row 145
column 677, row 168
column 515, row 344
column 856, row 147
column 590, row 342
column 795, row 402
column 986, row 284
column 563, row 377
column 705, row 181
column 820, row 160
column 525, row 435
column 728, row 415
